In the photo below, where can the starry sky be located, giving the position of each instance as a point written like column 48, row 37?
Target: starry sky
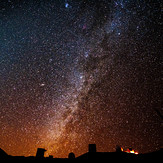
column 74, row 72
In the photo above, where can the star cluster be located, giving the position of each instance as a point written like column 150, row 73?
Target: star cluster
column 74, row 72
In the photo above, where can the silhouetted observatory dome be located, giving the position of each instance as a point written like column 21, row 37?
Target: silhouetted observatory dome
column 71, row 156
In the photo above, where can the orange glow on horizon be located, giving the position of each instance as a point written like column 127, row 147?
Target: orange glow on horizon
column 129, row 151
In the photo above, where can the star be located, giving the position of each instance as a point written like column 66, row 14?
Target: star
column 42, row 84
column 80, row 72
column 66, row 5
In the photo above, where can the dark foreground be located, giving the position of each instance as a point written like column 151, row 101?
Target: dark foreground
column 90, row 156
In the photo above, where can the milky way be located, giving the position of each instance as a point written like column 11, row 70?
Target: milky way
column 80, row 72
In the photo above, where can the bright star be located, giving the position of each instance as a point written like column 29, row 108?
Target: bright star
column 42, row 84
column 66, row 5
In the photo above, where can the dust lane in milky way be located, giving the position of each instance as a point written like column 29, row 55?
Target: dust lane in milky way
column 80, row 72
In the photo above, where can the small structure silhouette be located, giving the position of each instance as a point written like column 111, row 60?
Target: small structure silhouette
column 40, row 153
column 71, row 156
column 118, row 148
column 92, row 147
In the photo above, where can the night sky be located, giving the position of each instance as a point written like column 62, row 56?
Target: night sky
column 74, row 72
